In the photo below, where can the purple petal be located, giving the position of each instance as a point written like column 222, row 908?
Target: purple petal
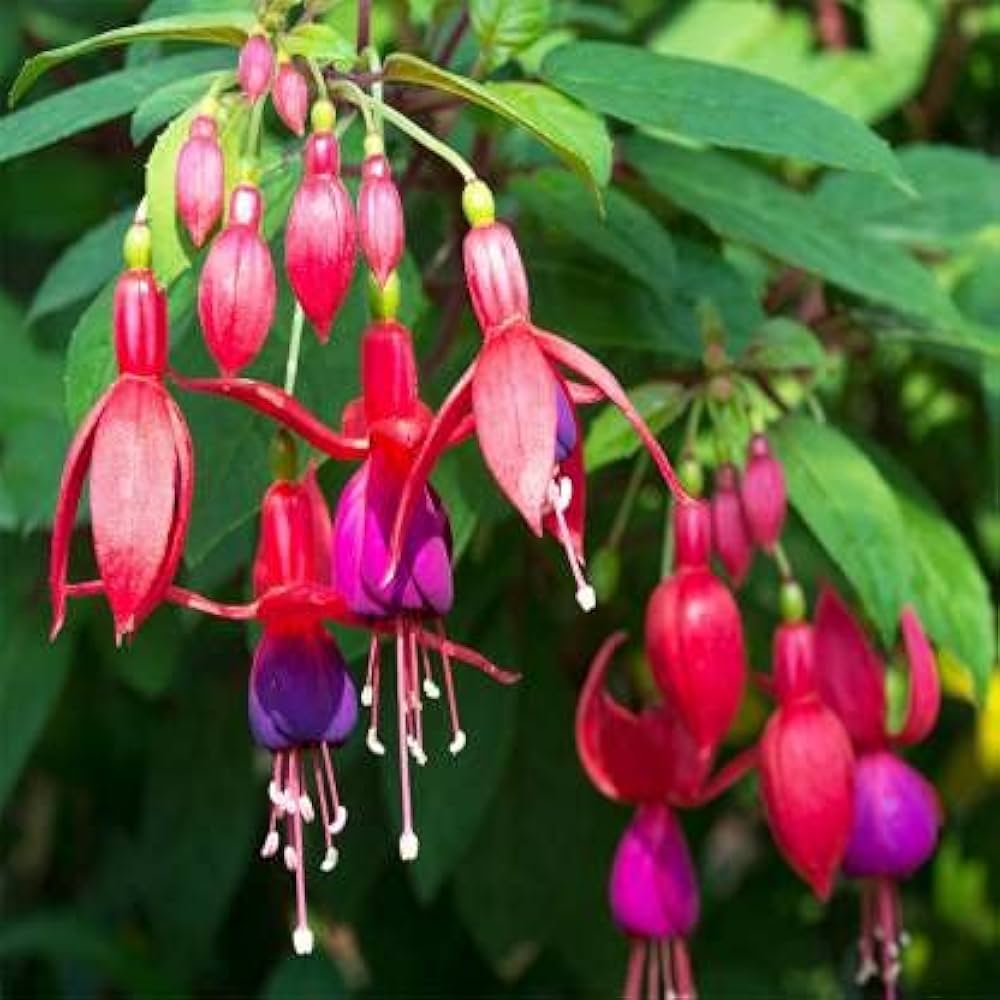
column 654, row 891
column 300, row 691
column 896, row 819
column 566, row 433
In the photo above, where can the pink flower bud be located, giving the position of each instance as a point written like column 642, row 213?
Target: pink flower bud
column 200, row 180
column 321, row 241
column 765, row 501
column 380, row 218
column 291, row 97
column 730, row 534
column 256, row 67
column 236, row 296
column 495, row 275
column 140, row 324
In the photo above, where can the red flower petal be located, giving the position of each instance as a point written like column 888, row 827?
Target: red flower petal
column 924, row 700
column 849, row 673
column 514, row 401
column 132, row 496
column 73, row 475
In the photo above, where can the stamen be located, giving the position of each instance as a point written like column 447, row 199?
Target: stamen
column 271, row 843
column 417, row 708
column 330, row 859
column 375, row 745
column 306, row 808
column 323, row 808
column 458, row 739
column 291, row 858
column 653, row 982
column 633, row 977
column 560, row 496
column 302, row 937
column 302, row 940
column 680, row 962
column 663, row 949
column 368, row 691
column 409, row 846
column 431, row 690
column 339, row 820
column 274, row 790
column 867, row 966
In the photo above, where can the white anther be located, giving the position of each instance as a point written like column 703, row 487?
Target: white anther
column 431, row 690
column 457, row 745
column 276, row 795
column 409, row 846
column 416, row 750
column 866, row 970
column 306, row 808
column 586, row 597
column 290, row 802
column 339, row 820
column 302, row 940
column 270, row 846
column 330, row 859
column 375, row 745
column 565, row 493
column 367, row 696
column 291, row 858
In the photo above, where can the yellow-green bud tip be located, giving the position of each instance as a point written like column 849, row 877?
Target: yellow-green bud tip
column 692, row 477
column 477, row 204
column 138, row 247
column 792, row 602
column 384, row 299
column 284, row 456
column 209, row 107
column 323, row 116
column 249, row 170
column 374, row 146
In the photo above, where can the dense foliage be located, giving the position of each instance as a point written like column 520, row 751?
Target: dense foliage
column 760, row 215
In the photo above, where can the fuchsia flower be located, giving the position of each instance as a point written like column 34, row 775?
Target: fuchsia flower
column 237, row 291
column 896, row 811
column 136, row 447
column 395, row 421
column 694, row 636
column 650, row 760
column 291, row 96
column 256, row 67
column 762, row 489
column 806, row 765
column 200, row 180
column 381, row 227
column 730, row 534
column 320, row 241
column 519, row 402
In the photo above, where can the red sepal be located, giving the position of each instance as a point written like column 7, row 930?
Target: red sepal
column 924, row 699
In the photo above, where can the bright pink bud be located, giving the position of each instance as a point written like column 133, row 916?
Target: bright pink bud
column 380, row 218
column 140, row 324
column 729, row 527
column 237, row 293
column 765, row 500
column 694, row 637
column 806, row 767
column 291, row 97
column 200, row 180
column 495, row 275
column 320, row 241
column 256, row 67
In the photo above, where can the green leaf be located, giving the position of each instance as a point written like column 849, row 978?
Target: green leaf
column 699, row 102
column 82, row 268
column 90, row 359
column 227, row 28
column 745, row 205
column 308, row 977
column 782, row 344
column 32, row 671
column 611, row 437
column 171, row 100
column 853, row 513
column 948, row 588
column 322, row 42
column 95, row 102
column 504, row 27
column 575, row 135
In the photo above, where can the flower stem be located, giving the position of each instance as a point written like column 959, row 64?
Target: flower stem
column 624, row 511
column 375, row 65
column 782, row 561
column 253, row 132
column 294, row 345
column 667, row 552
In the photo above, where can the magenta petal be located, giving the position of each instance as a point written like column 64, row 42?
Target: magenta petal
column 654, row 891
column 896, row 819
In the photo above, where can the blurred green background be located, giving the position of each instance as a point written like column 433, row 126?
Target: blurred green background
column 133, row 802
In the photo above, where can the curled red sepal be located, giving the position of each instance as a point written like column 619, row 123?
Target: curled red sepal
column 924, row 699
column 727, row 775
column 464, row 654
column 194, row 601
column 579, row 361
column 285, row 409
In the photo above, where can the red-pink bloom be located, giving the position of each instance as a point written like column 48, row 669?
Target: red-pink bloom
column 291, row 97
column 200, row 180
column 762, row 488
column 730, row 535
column 237, row 291
column 806, row 766
column 136, row 447
column 381, row 229
column 256, row 67
column 320, row 241
column 694, row 636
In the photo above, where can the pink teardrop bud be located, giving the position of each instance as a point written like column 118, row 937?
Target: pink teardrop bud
column 495, row 275
column 291, row 97
column 794, row 661
column 692, row 533
column 321, row 241
column 237, row 292
column 381, row 229
column 256, row 67
column 140, row 324
column 200, row 180
column 765, row 499
column 730, row 534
